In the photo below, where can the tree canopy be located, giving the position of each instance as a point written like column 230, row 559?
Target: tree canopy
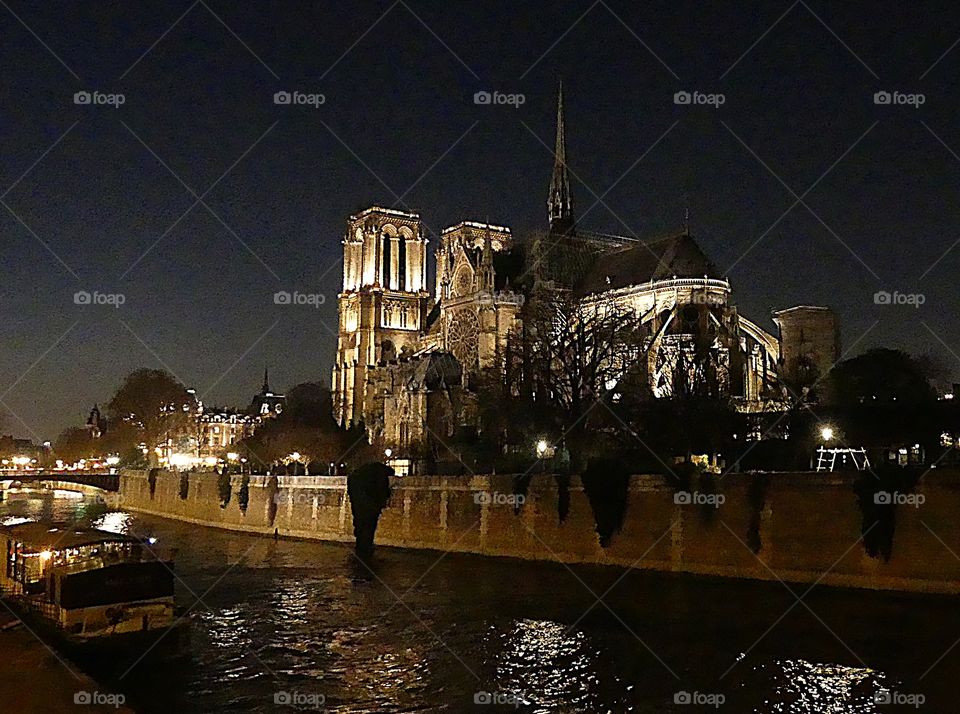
column 152, row 405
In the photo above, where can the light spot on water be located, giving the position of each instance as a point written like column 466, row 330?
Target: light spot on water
column 114, row 522
column 801, row 687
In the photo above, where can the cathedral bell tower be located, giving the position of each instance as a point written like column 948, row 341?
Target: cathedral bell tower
column 383, row 304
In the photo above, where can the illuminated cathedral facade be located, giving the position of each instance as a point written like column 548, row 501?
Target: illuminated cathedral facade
column 406, row 353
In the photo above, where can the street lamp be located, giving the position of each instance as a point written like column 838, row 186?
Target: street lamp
column 542, row 447
column 295, row 457
column 826, row 433
column 388, row 453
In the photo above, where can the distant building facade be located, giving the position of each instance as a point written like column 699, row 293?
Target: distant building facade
column 405, row 356
column 219, row 429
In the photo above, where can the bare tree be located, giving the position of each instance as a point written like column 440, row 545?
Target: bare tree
column 575, row 353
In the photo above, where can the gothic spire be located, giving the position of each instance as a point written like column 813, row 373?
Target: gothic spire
column 559, row 202
column 266, row 382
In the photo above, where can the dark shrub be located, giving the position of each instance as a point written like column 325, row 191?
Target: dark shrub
column 369, row 490
column 756, row 500
column 224, row 488
column 273, row 488
column 874, row 491
column 606, row 482
column 243, row 495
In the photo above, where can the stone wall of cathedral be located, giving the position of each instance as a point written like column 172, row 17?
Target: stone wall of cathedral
column 383, row 304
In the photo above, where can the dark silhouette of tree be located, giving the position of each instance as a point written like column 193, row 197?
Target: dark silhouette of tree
column 306, row 427
column 155, row 405
column 567, row 355
column 883, row 398
column 75, row 443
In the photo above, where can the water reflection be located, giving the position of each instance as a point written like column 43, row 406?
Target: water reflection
column 797, row 686
column 45, row 505
column 306, row 617
column 543, row 663
column 114, row 522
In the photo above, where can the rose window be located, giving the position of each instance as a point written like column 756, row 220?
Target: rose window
column 462, row 337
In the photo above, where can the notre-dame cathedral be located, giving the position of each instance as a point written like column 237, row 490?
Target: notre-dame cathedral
column 405, row 354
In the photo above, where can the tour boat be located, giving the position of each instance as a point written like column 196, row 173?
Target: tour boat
column 92, row 588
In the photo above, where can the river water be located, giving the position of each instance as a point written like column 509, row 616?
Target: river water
column 307, row 623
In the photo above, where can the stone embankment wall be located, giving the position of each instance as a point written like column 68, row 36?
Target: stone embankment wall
column 804, row 527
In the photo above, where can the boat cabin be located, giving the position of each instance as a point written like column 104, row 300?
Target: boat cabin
column 87, row 582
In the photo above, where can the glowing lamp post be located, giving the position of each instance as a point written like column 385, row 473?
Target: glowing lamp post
column 295, row 458
column 542, row 447
column 544, row 451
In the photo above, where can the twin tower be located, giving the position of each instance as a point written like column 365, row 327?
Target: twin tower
column 383, row 303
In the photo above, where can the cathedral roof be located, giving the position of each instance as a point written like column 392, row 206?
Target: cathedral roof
column 660, row 259
column 435, row 369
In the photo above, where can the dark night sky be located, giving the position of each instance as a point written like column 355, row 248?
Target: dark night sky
column 199, row 302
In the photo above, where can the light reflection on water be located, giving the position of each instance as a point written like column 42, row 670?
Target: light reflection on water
column 801, row 687
column 304, row 617
column 543, row 663
column 114, row 521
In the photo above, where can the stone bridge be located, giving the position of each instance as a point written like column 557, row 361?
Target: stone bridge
column 103, row 480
